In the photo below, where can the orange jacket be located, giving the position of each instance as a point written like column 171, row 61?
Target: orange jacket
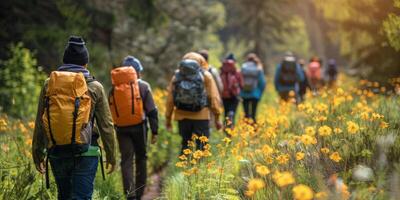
column 212, row 93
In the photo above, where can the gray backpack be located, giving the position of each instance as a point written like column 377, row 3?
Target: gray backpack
column 250, row 73
column 189, row 91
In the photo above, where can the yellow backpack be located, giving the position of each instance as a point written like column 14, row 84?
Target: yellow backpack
column 67, row 110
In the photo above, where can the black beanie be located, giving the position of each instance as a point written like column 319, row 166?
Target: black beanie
column 76, row 52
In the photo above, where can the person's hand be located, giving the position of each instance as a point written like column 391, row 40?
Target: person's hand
column 218, row 125
column 153, row 138
column 110, row 167
column 41, row 167
column 168, row 125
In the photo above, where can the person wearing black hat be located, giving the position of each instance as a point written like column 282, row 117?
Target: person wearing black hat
column 74, row 171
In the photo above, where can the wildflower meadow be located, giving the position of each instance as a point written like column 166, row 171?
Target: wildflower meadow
column 340, row 144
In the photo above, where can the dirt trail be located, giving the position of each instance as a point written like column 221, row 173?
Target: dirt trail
column 153, row 189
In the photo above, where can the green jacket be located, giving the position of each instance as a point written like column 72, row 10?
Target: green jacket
column 103, row 124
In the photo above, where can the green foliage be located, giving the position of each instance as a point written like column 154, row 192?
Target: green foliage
column 367, row 34
column 259, row 23
column 391, row 26
column 21, row 81
column 295, row 41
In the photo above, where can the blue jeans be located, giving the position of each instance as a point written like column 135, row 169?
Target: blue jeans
column 74, row 178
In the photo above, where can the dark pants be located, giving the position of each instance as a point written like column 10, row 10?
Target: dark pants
column 250, row 108
column 132, row 144
column 187, row 127
column 284, row 95
column 74, row 177
column 230, row 106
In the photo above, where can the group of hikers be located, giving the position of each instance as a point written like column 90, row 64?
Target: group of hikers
column 293, row 77
column 74, row 111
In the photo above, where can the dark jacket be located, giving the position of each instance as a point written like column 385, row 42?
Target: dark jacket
column 149, row 106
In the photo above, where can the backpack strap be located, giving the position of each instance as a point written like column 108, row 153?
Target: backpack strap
column 75, row 116
column 132, row 98
column 47, row 106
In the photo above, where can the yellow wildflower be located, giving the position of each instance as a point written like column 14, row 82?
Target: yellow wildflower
column 310, row 130
column 325, row 150
column 376, row 116
column 307, row 140
column 255, row 184
column 335, row 157
column 324, row 131
column 249, row 193
column 383, row 125
column 300, row 155
column 28, row 142
column 262, row 170
column 267, row 150
column 194, row 137
column 3, row 124
column 206, row 153
column 226, row 140
column 181, row 164
column 182, row 157
column 302, row 192
column 31, row 124
column 322, row 107
column 187, row 151
column 191, row 144
column 321, row 195
column 352, row 127
column 337, row 130
column 283, row 179
column 269, row 160
column 364, row 115
column 203, row 139
column 283, row 159
column 197, row 154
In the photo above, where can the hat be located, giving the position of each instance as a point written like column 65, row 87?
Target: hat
column 230, row 56
column 204, row 53
column 76, row 52
column 134, row 62
column 289, row 57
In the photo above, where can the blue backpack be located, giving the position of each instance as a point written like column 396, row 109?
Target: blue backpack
column 250, row 73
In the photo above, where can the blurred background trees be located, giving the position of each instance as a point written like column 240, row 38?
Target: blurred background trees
column 363, row 35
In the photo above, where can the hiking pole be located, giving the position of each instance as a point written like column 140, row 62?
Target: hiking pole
column 47, row 173
column 102, row 164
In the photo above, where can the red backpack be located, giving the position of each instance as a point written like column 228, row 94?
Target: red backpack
column 314, row 71
column 231, row 79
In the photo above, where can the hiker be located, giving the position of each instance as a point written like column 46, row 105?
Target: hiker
column 331, row 72
column 288, row 76
column 192, row 98
column 233, row 83
column 213, row 71
column 314, row 76
column 71, row 102
column 303, row 84
column 253, row 85
column 217, row 79
column 132, row 107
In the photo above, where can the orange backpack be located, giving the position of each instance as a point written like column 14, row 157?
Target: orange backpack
column 125, row 101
